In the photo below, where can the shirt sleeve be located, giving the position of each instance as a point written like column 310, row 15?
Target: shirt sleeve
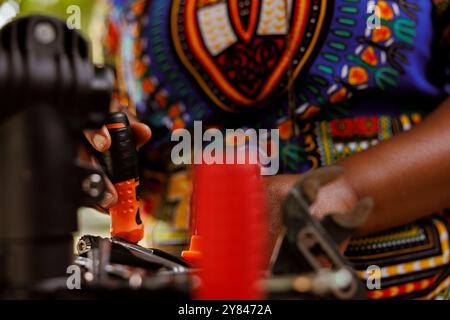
column 442, row 18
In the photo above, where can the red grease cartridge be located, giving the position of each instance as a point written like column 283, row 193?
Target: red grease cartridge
column 121, row 163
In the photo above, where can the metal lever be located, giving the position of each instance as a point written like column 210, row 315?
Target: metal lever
column 310, row 245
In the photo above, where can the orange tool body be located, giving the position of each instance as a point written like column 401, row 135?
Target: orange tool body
column 121, row 164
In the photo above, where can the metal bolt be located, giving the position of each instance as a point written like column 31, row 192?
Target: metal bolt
column 84, row 245
column 343, row 278
column 44, row 32
column 135, row 281
column 93, row 185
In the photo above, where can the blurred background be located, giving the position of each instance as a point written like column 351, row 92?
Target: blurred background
column 92, row 16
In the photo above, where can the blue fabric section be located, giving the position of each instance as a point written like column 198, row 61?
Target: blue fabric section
column 166, row 67
column 415, row 77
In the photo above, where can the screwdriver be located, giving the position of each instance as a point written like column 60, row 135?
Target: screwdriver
column 121, row 165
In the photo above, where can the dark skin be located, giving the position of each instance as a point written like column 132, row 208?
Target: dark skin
column 408, row 177
column 101, row 141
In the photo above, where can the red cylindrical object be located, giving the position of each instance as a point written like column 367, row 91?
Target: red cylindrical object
column 231, row 219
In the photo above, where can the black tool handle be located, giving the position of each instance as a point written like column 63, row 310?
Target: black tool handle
column 121, row 160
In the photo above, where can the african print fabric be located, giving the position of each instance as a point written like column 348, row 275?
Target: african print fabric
column 358, row 76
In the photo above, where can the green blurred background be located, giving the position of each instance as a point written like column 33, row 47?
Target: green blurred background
column 92, row 13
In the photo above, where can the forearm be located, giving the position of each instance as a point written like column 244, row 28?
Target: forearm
column 408, row 176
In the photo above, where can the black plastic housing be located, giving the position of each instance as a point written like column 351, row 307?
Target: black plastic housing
column 121, row 160
column 50, row 93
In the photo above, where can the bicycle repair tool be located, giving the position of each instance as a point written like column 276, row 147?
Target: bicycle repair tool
column 126, row 253
column 115, row 267
column 309, row 245
column 122, row 168
column 50, row 93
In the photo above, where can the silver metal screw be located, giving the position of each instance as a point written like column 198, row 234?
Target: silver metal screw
column 92, row 185
column 84, row 245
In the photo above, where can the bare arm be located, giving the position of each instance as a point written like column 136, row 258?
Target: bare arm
column 408, row 176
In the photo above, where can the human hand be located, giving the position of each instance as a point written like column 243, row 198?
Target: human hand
column 336, row 196
column 100, row 140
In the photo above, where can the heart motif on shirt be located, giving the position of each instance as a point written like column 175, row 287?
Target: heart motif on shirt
column 243, row 53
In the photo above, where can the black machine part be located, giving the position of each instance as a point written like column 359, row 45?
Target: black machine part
column 116, row 266
column 127, row 253
column 44, row 62
column 311, row 246
column 50, row 93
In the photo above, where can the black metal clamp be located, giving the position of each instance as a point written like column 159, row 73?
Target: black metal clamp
column 308, row 252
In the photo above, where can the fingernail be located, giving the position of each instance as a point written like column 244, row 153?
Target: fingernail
column 99, row 142
column 107, row 200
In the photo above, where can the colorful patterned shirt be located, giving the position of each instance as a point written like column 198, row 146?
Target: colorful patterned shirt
column 334, row 76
